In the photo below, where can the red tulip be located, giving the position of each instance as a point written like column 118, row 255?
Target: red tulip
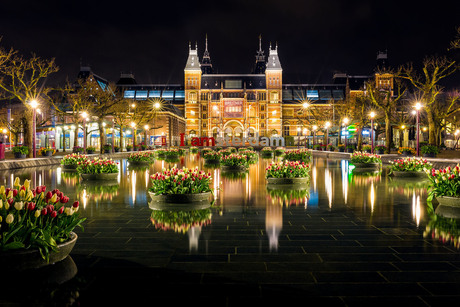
column 53, row 213
column 44, row 211
column 15, row 192
column 49, row 195
column 61, row 210
column 10, row 201
column 75, row 204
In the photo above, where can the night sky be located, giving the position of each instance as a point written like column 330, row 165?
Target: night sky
column 150, row 39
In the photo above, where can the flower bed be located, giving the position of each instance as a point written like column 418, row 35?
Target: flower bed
column 444, row 182
column 180, row 221
column 71, row 160
column 97, row 166
column 180, row 181
column 205, row 150
column 172, row 153
column 232, row 149
column 288, row 169
column 193, row 149
column 408, row 151
column 410, row 165
column 46, row 151
column 225, row 152
column 302, row 154
column 31, row 218
column 266, row 152
column 141, row 157
column 279, row 151
column 213, row 156
column 251, row 155
column 234, row 161
column 363, row 158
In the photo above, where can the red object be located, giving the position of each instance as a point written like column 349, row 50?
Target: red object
column 163, row 141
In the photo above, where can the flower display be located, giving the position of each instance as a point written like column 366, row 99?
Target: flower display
column 410, row 164
column 212, row 155
column 193, row 149
column 302, row 154
column 205, row 150
column 288, row 169
column 444, row 182
column 232, row 149
column 73, row 159
column 97, row 166
column 266, row 150
column 279, row 151
column 251, row 155
column 44, row 150
column 234, row 160
column 402, row 150
column 34, row 218
column 147, row 157
column 225, row 152
column 363, row 157
column 180, row 221
column 180, row 181
column 172, row 152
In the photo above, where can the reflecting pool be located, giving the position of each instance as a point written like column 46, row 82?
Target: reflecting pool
column 345, row 220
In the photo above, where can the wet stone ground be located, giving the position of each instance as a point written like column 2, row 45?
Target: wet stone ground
column 355, row 239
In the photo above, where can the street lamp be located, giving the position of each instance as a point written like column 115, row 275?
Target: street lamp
column 298, row 137
column 328, row 124
column 418, row 106
column 146, row 127
column 156, row 107
column 314, row 135
column 345, row 122
column 85, row 116
column 372, row 115
column 133, row 125
column 305, row 134
column 34, row 105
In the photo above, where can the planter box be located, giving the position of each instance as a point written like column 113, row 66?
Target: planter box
column 366, row 165
column 409, row 174
column 341, row 149
column 407, row 153
column 429, row 155
column 212, row 161
column 139, row 162
column 380, row 152
column 274, row 181
column 128, row 149
column 450, row 201
column 25, row 259
column 103, row 176
column 48, row 153
column 266, row 154
column 18, row 155
column 89, row 152
column 180, row 198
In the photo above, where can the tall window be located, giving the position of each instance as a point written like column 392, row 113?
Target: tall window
column 286, row 130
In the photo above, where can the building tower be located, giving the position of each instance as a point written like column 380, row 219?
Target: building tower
column 260, row 65
column 274, row 81
column 192, row 85
column 206, row 66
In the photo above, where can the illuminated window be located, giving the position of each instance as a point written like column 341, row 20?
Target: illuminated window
column 312, row 94
column 168, row 95
column 274, row 97
column 141, row 94
column 180, row 95
column 192, row 97
column 129, row 94
column 155, row 94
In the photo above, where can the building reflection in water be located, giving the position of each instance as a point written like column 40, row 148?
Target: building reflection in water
column 273, row 224
column 328, row 186
column 416, row 210
column 345, row 171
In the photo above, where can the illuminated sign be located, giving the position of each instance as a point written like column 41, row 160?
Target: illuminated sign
column 233, row 108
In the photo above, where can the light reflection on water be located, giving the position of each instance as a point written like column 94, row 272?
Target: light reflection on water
column 333, row 186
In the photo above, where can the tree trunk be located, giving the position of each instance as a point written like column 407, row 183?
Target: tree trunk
column 28, row 131
column 102, row 136
column 360, row 138
column 121, row 137
column 432, row 140
column 387, row 133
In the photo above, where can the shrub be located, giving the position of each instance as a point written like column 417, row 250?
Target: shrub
column 429, row 149
column 24, row 150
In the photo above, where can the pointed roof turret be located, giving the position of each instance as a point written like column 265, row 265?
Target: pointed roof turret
column 206, row 65
column 273, row 59
column 193, row 62
column 260, row 65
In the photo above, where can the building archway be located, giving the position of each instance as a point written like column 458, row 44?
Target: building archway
column 232, row 128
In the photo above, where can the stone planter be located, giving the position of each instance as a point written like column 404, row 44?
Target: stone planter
column 18, row 155
column 139, row 163
column 117, row 149
column 71, row 167
column 236, row 168
column 409, row 174
column 89, row 152
column 283, row 181
column 107, row 151
column 447, row 211
column 102, row 176
column 212, row 161
column 180, row 198
column 450, row 201
column 380, row 152
column 350, row 150
column 407, row 153
column 429, row 155
column 341, row 149
column 25, row 259
column 366, row 165
column 48, row 153
column 266, row 155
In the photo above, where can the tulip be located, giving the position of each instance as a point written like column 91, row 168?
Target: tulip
column 44, row 211
column 54, row 198
column 19, row 205
column 61, row 210
column 49, row 195
column 9, row 194
column 1, row 203
column 75, row 204
column 2, row 190
column 10, row 201
column 53, row 214
column 16, row 182
column 9, row 218
column 31, row 206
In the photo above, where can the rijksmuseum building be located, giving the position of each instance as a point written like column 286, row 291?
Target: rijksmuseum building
column 243, row 105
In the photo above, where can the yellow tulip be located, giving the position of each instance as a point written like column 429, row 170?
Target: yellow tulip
column 7, row 205
column 27, row 184
column 2, row 190
column 18, row 205
column 17, row 182
column 54, row 198
column 29, row 195
column 1, row 203
column 9, row 218
column 1, row 218
column 22, row 194
column 10, row 194
column 37, row 213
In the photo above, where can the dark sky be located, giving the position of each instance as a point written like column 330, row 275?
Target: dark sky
column 150, row 39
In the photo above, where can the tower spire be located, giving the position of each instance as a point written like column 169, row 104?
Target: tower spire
column 259, row 66
column 206, row 66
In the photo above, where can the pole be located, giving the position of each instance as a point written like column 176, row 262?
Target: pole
column 372, row 135
column 418, row 133
column 34, row 127
column 84, row 134
column 113, row 135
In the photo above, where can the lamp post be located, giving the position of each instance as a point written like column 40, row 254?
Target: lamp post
column 305, row 134
column 133, row 125
column 156, row 107
column 372, row 115
column 345, row 123
column 146, row 127
column 34, row 105
column 85, row 116
column 328, row 124
column 314, row 135
column 418, row 106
